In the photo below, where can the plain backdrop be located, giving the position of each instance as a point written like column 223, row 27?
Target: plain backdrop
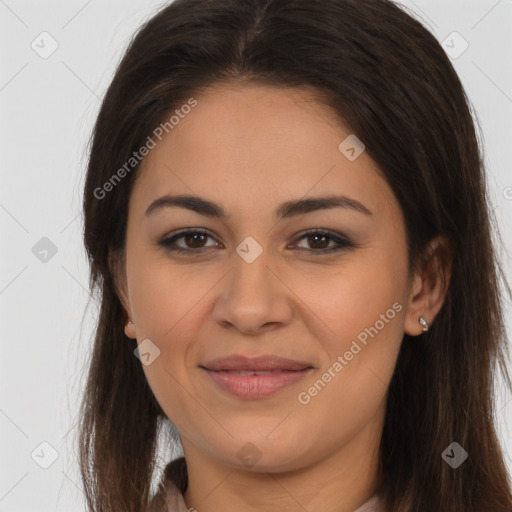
column 48, row 106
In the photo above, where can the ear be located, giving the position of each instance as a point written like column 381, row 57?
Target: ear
column 429, row 285
column 117, row 267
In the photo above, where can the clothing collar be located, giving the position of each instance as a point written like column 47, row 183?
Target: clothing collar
column 174, row 501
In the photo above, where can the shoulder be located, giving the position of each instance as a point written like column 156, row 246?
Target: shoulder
column 372, row 505
column 169, row 497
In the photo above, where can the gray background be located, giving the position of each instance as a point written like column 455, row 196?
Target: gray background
column 48, row 106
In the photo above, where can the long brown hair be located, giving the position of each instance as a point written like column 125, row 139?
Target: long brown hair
column 389, row 79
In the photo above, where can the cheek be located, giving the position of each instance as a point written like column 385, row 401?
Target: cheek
column 362, row 311
column 161, row 294
column 352, row 383
column 343, row 304
column 168, row 304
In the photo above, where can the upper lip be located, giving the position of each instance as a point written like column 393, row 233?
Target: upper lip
column 260, row 363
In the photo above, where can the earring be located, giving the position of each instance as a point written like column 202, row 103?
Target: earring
column 130, row 323
column 424, row 323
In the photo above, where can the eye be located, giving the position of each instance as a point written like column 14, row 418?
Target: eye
column 317, row 239
column 194, row 237
column 321, row 238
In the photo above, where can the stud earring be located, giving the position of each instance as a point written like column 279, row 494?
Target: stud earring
column 130, row 323
column 424, row 323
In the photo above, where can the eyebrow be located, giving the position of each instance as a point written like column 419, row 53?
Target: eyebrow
column 285, row 210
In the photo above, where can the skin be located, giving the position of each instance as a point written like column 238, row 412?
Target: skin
column 250, row 148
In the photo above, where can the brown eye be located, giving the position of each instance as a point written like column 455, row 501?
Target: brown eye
column 194, row 241
column 319, row 240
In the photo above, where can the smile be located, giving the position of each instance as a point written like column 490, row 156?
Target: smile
column 252, row 384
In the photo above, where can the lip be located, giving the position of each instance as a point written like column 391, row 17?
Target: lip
column 259, row 363
column 230, row 374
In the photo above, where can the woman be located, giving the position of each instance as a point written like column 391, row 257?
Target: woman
column 287, row 222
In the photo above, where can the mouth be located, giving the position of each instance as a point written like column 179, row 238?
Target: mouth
column 252, row 378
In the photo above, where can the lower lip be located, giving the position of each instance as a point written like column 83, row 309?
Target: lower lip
column 256, row 386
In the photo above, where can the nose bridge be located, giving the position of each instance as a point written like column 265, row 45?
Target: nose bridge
column 252, row 295
column 251, row 275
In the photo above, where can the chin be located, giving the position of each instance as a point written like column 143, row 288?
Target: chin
column 261, row 454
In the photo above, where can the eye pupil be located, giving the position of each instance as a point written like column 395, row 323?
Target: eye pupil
column 194, row 236
column 319, row 236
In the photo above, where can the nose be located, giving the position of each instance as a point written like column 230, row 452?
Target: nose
column 253, row 298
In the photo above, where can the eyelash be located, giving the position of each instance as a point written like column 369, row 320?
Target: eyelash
column 343, row 242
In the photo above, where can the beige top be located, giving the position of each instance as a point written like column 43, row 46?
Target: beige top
column 176, row 503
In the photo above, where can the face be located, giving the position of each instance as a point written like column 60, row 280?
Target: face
column 324, row 287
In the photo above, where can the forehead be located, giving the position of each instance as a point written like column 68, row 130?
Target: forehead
column 253, row 146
